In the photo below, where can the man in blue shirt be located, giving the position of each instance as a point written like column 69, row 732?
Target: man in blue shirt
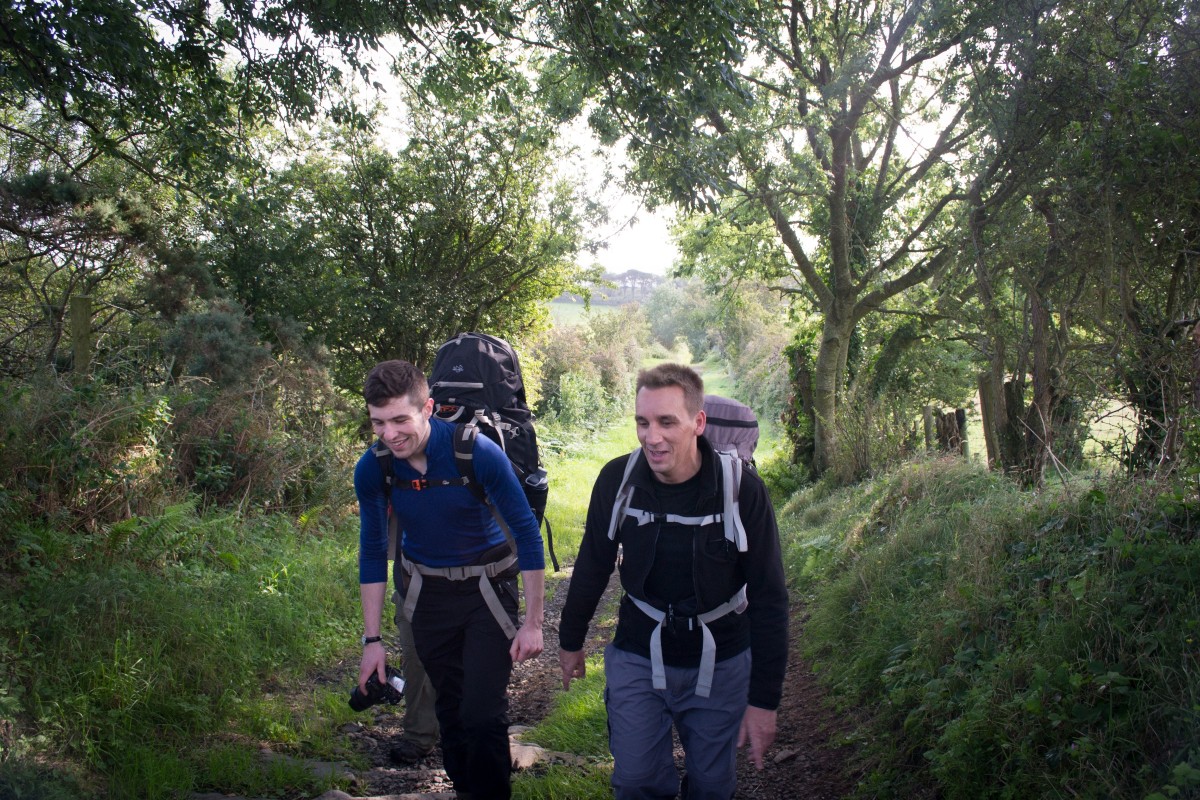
column 459, row 573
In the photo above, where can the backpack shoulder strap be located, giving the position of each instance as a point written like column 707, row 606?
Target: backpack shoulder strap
column 384, row 456
column 624, row 494
column 731, row 482
column 465, row 435
column 731, row 488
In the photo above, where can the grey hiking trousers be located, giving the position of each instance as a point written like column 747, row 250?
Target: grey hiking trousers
column 640, row 719
column 420, row 719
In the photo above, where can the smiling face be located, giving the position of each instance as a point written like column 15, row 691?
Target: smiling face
column 402, row 425
column 667, row 432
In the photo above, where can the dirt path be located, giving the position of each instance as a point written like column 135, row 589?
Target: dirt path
column 805, row 762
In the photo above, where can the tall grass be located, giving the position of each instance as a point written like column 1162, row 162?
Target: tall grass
column 1008, row 645
column 163, row 632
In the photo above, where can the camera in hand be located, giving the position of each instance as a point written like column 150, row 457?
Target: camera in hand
column 391, row 692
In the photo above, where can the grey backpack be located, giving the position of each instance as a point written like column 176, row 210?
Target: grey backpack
column 731, row 427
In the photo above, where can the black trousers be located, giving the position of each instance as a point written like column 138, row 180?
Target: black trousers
column 465, row 652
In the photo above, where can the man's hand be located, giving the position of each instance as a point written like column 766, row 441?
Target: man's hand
column 758, row 728
column 527, row 643
column 573, row 666
column 374, row 659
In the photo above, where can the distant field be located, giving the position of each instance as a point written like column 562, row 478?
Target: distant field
column 564, row 312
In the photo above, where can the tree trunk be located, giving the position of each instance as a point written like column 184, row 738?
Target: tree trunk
column 799, row 420
column 831, row 358
column 990, row 414
column 1011, row 429
column 81, row 335
column 992, row 398
column 1039, row 432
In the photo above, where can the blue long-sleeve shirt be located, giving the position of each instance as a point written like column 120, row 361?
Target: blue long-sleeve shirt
column 444, row 526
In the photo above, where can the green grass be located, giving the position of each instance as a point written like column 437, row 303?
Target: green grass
column 1011, row 644
column 157, row 633
column 571, row 478
column 578, row 723
column 563, row 782
column 567, row 313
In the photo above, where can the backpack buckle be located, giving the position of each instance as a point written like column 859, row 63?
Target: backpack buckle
column 419, row 484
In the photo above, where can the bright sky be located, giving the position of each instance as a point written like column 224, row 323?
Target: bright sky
column 636, row 238
column 644, row 244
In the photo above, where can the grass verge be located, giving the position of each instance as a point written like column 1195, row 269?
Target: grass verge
column 1008, row 644
column 130, row 647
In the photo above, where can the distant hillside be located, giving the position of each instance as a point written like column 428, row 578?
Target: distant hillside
column 627, row 287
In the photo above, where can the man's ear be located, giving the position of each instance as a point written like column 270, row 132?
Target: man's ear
column 701, row 421
column 428, row 409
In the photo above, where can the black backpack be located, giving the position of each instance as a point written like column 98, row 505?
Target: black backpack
column 731, row 426
column 476, row 382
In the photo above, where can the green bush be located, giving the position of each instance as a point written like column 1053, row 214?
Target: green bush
column 579, row 402
column 87, row 455
column 84, row 455
column 587, row 371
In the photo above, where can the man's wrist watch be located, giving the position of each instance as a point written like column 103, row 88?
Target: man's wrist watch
column 366, row 640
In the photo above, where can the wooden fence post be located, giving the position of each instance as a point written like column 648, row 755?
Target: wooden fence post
column 929, row 438
column 960, row 422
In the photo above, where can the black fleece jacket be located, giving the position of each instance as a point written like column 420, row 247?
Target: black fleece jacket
column 717, row 571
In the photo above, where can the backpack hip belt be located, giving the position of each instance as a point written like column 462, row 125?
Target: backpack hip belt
column 484, row 572
column 708, row 654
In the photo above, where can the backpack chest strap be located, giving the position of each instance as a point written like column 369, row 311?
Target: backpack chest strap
column 484, row 572
column 708, row 653
column 731, row 481
column 646, row 517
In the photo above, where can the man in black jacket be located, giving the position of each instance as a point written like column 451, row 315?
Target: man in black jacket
column 701, row 639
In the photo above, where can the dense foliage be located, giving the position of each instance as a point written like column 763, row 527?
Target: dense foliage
column 989, row 170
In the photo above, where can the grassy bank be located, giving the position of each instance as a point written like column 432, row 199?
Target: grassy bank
column 1001, row 644
column 142, row 659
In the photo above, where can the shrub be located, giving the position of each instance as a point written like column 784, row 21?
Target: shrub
column 587, row 370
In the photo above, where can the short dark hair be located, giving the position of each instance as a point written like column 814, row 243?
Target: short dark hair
column 388, row 380
column 686, row 378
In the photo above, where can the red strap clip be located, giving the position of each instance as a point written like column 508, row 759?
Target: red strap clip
column 420, row 483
